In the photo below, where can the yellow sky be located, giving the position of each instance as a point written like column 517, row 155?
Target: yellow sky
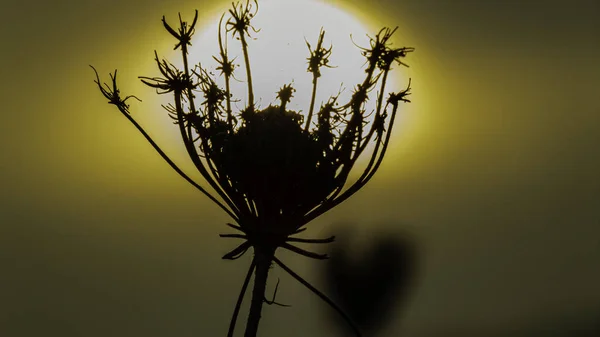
column 496, row 174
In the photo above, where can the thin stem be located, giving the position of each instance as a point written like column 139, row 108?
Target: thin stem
column 248, row 72
column 221, row 185
column 263, row 262
column 229, row 113
column 383, row 150
column 240, row 299
column 114, row 98
column 361, row 147
column 177, row 169
column 302, row 240
column 365, row 177
column 332, row 201
column 192, row 149
column 382, row 92
column 320, row 294
column 194, row 155
column 312, row 103
column 225, row 60
column 355, row 104
column 186, row 68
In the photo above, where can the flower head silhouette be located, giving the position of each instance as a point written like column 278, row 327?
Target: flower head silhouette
column 272, row 171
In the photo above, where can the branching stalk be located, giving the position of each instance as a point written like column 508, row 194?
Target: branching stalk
column 272, row 173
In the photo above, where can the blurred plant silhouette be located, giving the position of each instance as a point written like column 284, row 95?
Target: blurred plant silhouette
column 273, row 171
column 368, row 284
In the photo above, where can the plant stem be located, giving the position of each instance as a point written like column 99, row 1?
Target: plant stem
column 248, row 71
column 263, row 262
column 312, row 103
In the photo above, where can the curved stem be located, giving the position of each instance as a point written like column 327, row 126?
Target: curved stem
column 312, row 103
column 383, row 150
column 333, row 199
column 175, row 167
column 221, row 186
column 365, row 177
column 320, row 294
column 225, row 60
column 196, row 159
column 240, row 299
column 248, row 72
column 362, row 146
column 191, row 148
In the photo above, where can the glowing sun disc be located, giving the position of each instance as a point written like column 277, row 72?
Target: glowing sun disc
column 278, row 53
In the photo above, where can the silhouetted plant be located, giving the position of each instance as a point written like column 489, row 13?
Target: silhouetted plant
column 272, row 174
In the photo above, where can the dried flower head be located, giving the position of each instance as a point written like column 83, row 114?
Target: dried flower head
column 271, row 169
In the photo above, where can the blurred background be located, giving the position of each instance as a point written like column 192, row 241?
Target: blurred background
column 495, row 177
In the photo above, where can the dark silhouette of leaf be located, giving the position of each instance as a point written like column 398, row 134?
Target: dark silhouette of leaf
column 369, row 283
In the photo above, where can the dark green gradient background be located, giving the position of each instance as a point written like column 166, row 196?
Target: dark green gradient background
column 497, row 175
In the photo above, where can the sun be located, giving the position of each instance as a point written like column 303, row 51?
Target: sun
column 278, row 53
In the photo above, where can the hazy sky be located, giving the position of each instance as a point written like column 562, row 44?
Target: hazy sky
column 496, row 174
